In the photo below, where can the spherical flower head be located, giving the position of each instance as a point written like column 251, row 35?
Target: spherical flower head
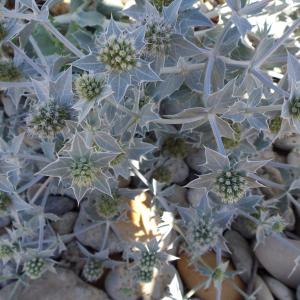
column 202, row 234
column 8, row 71
column 230, row 186
column 48, row 119
column 162, row 174
column 145, row 275
column 118, row 54
column 175, row 147
column 92, row 270
column 148, row 260
column 275, row 124
column 88, row 87
column 294, row 107
column 106, row 206
column 157, row 35
column 218, row 275
column 34, row 268
column 83, row 172
column 5, row 202
column 276, row 223
column 6, row 251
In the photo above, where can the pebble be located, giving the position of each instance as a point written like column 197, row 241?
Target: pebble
column 62, row 285
column 278, row 289
column 66, row 223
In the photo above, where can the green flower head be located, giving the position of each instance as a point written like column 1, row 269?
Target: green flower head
column 148, row 260
column 275, row 124
column 145, row 275
column 6, row 251
column 8, row 71
column 5, row 202
column 83, row 172
column 175, row 147
column 34, row 267
column 48, row 119
column 230, row 185
column 106, row 206
column 92, row 270
column 162, row 174
column 294, row 107
column 88, row 87
column 118, row 54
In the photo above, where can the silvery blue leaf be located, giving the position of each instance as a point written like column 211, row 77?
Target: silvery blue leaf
column 293, row 68
column 102, row 185
column 89, row 63
column 84, row 39
column 107, row 142
column 258, row 121
column 242, row 24
column 192, row 17
column 84, row 108
column 170, row 12
column 254, row 8
column 203, row 181
column 147, row 115
column 119, row 84
column 185, row 214
column 143, row 73
column 225, row 128
column 138, row 36
column 79, row 147
column 181, row 47
column 61, row 89
column 41, row 89
column 113, row 28
column 89, row 18
column 170, row 84
column 138, row 149
column 5, row 185
column 16, row 143
column 248, row 203
column 59, row 168
column 216, row 161
column 255, row 97
column 234, row 4
column 79, row 191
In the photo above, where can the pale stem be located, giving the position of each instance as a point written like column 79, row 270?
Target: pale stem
column 278, row 43
column 40, row 190
column 26, row 186
column 62, row 39
column 107, row 227
column 216, row 132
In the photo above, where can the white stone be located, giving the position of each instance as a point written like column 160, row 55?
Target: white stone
column 278, row 258
column 279, row 290
column 264, row 292
column 63, row 285
column 120, row 284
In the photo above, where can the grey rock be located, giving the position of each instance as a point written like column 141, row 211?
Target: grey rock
column 94, row 235
column 178, row 195
column 120, row 286
column 245, row 227
column 264, row 292
column 298, row 292
column 4, row 221
column 288, row 142
column 278, row 257
column 194, row 196
column 195, row 159
column 178, row 169
column 64, row 285
column 278, row 289
column 66, row 223
column 59, row 205
column 241, row 254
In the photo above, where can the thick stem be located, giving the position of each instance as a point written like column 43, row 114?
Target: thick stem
column 107, row 226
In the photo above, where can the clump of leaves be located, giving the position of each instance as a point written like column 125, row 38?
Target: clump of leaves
column 8, row 71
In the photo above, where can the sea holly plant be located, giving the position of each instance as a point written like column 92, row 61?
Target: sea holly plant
column 81, row 168
column 195, row 103
column 229, row 180
column 118, row 54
